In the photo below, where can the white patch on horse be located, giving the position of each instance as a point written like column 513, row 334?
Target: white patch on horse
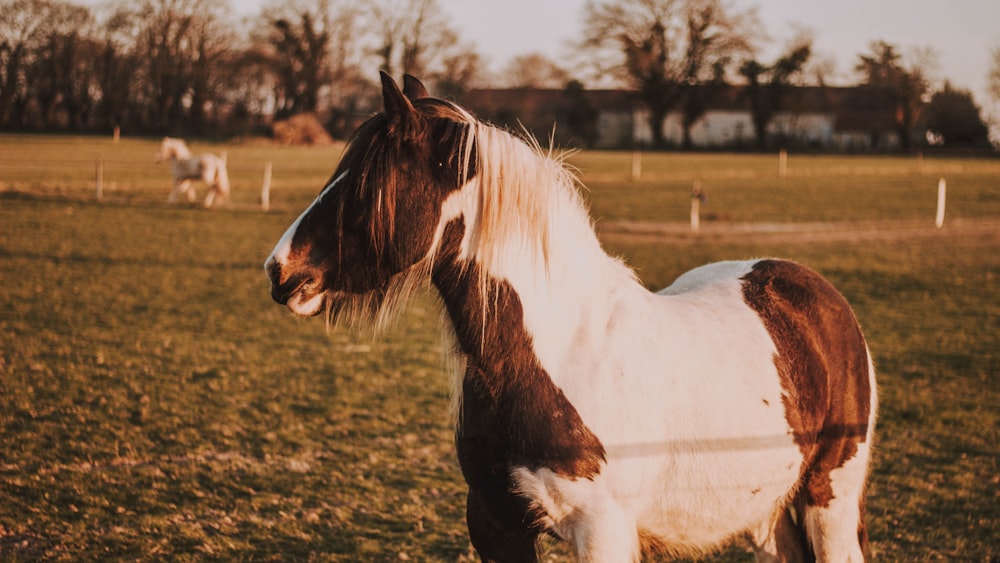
column 281, row 251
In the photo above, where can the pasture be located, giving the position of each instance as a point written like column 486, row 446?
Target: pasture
column 155, row 403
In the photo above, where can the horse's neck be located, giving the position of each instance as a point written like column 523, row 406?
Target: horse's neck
column 556, row 298
column 180, row 152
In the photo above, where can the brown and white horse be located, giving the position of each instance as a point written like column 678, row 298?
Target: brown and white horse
column 739, row 401
column 185, row 167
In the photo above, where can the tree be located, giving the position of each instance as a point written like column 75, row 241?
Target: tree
column 414, row 37
column 767, row 85
column 663, row 48
column 993, row 78
column 954, row 115
column 21, row 32
column 301, row 56
column 171, row 54
column 884, row 68
column 61, row 77
column 117, row 63
column 534, row 70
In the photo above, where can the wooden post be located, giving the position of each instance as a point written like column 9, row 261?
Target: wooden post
column 696, row 197
column 99, row 179
column 118, row 134
column 636, row 165
column 939, row 219
column 782, row 163
column 265, row 189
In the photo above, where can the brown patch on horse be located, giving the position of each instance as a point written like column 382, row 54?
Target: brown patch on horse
column 512, row 414
column 507, row 395
column 822, row 360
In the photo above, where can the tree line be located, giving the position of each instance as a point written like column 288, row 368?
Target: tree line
column 191, row 67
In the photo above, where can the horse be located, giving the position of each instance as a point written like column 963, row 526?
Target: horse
column 740, row 401
column 185, row 167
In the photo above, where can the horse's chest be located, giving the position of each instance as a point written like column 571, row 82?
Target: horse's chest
column 521, row 419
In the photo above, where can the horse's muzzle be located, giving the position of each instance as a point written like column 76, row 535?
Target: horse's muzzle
column 281, row 290
column 299, row 291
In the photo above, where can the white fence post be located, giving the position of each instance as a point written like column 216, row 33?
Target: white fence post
column 99, row 179
column 782, row 163
column 265, row 189
column 696, row 197
column 942, row 188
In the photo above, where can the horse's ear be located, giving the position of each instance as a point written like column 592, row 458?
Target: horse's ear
column 396, row 104
column 413, row 88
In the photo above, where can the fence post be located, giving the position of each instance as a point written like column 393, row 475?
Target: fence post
column 99, row 179
column 636, row 165
column 265, row 189
column 939, row 219
column 696, row 197
column 782, row 163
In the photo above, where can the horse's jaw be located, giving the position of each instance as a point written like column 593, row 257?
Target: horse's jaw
column 307, row 304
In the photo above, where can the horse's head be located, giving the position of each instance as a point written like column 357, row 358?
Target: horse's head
column 376, row 218
column 172, row 148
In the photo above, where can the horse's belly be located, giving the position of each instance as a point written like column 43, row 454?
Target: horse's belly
column 704, row 498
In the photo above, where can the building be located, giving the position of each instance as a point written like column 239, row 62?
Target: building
column 837, row 119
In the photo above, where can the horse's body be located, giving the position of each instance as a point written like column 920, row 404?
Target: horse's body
column 185, row 167
column 738, row 401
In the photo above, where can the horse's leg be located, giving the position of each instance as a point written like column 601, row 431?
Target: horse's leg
column 497, row 541
column 210, row 198
column 188, row 187
column 836, row 527
column 175, row 191
column 584, row 512
column 782, row 539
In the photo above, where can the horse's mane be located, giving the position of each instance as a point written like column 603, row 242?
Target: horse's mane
column 523, row 190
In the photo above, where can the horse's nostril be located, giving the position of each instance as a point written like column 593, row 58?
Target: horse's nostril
column 273, row 269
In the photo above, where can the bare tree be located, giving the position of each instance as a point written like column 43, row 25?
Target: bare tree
column 909, row 82
column 60, row 77
column 117, row 63
column 310, row 45
column 415, row 37
column 534, row 70
column 174, row 50
column 663, row 48
column 22, row 23
column 993, row 77
column 768, row 85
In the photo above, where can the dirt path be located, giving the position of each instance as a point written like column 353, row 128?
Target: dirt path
column 635, row 232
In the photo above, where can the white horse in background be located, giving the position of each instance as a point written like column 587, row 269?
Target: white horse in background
column 185, row 167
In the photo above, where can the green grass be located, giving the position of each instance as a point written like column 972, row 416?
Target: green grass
column 156, row 404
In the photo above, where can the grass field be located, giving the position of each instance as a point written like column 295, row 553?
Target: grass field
column 156, row 404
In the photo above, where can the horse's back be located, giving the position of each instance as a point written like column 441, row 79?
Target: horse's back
column 820, row 352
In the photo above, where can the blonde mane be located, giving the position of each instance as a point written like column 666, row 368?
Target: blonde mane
column 523, row 192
